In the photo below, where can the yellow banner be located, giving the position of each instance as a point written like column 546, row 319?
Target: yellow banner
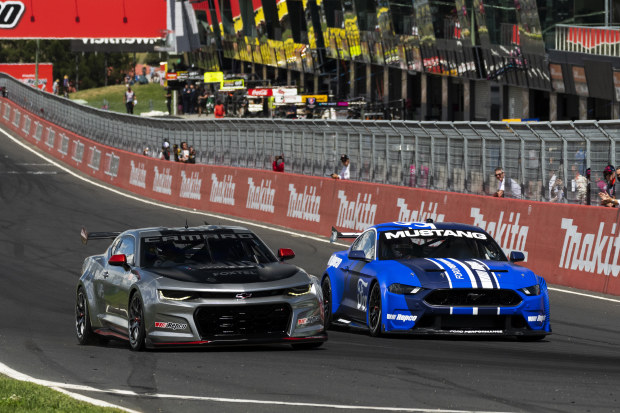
column 214, row 77
column 318, row 98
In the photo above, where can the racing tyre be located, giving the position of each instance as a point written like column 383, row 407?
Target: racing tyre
column 326, row 287
column 306, row 346
column 83, row 328
column 137, row 332
column 374, row 311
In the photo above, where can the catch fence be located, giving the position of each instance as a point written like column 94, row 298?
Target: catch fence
column 449, row 156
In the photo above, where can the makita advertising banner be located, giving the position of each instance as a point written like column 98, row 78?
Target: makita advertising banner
column 74, row 19
column 572, row 245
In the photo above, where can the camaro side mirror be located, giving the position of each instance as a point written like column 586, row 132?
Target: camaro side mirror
column 285, row 254
column 358, row 255
column 516, row 256
column 119, row 260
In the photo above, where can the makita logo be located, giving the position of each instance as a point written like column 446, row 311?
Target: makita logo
column 162, row 182
column 509, row 235
column 420, row 215
column 304, row 205
column 595, row 253
column 356, row 214
column 190, row 186
column 137, row 177
column 222, row 192
column 260, row 197
column 11, row 13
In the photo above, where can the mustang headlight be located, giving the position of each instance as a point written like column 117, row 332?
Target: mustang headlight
column 404, row 289
column 533, row 290
column 300, row 290
column 175, row 295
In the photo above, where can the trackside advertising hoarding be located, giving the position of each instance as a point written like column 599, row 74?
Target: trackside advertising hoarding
column 26, row 72
column 572, row 245
column 74, row 19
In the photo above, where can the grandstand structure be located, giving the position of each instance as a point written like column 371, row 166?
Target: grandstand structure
column 447, row 60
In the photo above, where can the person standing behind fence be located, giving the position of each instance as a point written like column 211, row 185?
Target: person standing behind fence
column 219, row 110
column 507, row 188
column 345, row 172
column 130, row 97
column 278, row 163
column 608, row 196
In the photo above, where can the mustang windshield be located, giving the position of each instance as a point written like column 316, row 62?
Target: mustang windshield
column 204, row 248
column 400, row 245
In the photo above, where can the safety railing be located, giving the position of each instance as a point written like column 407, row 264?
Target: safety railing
column 450, row 156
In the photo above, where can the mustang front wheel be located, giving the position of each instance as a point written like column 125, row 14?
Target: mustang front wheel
column 374, row 311
column 136, row 323
column 83, row 329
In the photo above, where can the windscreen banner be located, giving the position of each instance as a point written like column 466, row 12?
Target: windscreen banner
column 571, row 245
column 26, row 73
column 75, row 19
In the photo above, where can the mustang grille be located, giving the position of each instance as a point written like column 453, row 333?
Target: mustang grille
column 472, row 297
column 243, row 321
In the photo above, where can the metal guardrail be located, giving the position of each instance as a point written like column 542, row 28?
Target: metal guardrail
column 450, row 156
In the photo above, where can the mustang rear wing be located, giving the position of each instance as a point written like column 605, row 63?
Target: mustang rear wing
column 85, row 236
column 337, row 234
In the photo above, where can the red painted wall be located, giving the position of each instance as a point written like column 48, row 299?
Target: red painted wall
column 571, row 245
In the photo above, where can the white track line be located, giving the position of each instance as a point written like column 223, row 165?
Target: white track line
column 64, row 388
column 613, row 300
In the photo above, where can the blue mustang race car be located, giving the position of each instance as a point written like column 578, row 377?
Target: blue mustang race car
column 433, row 278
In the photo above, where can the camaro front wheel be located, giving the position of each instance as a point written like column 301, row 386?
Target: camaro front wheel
column 137, row 332
column 374, row 311
column 83, row 328
column 326, row 288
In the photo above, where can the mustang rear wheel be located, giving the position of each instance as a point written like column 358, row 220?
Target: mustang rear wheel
column 137, row 331
column 83, row 329
column 374, row 311
column 326, row 288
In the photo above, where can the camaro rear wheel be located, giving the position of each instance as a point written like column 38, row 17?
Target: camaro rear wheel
column 374, row 311
column 326, row 288
column 83, row 329
column 137, row 331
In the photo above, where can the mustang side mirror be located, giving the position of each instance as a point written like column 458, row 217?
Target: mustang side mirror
column 358, row 255
column 516, row 256
column 285, row 254
column 119, row 260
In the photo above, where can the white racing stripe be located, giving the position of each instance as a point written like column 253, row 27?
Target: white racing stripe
column 65, row 388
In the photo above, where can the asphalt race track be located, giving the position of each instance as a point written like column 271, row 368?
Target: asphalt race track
column 577, row 369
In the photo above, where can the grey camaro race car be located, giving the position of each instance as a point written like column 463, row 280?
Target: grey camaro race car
column 203, row 285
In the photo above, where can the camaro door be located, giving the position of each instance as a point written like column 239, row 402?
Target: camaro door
column 118, row 281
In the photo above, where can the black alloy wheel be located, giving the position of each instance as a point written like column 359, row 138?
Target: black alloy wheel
column 83, row 329
column 374, row 310
column 137, row 331
column 326, row 288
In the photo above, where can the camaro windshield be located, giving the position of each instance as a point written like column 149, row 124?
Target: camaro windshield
column 204, row 248
column 399, row 245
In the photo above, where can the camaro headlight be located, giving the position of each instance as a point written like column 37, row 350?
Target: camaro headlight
column 175, row 295
column 404, row 289
column 533, row 290
column 301, row 290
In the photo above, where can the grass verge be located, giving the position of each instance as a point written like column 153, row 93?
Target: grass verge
column 150, row 97
column 23, row 397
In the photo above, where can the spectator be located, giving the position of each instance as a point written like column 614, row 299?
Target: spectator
column 185, row 98
column 146, row 151
column 56, row 87
column 192, row 155
column 551, row 183
column 557, row 191
column 130, row 99
column 164, row 153
column 184, row 154
column 169, row 100
column 507, row 188
column 581, row 184
column 345, row 172
column 202, row 102
column 278, row 163
column 175, row 152
column 219, row 110
column 65, row 86
column 193, row 97
column 608, row 196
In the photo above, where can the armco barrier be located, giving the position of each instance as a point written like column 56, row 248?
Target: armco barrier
column 571, row 245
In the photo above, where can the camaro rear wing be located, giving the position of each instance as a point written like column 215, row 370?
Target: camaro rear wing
column 85, row 236
column 337, row 234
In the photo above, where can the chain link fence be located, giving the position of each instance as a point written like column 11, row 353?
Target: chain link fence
column 449, row 156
